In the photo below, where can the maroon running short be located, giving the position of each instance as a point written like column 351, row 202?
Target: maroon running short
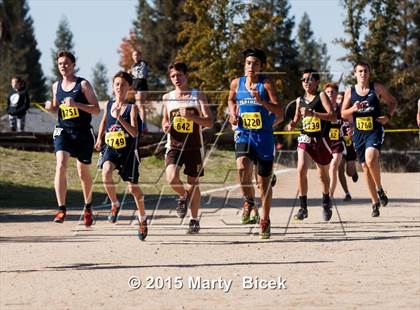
column 317, row 148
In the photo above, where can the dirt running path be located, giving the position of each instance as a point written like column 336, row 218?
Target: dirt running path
column 374, row 263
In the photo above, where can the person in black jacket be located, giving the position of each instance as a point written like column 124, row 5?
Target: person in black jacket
column 17, row 104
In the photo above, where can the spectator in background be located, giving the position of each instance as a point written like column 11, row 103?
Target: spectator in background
column 17, row 104
column 139, row 72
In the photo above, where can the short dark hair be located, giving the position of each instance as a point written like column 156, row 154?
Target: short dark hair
column 20, row 80
column 125, row 76
column 256, row 52
column 362, row 64
column 314, row 73
column 178, row 66
column 67, row 54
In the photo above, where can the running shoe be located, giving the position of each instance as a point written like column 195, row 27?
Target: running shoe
column 87, row 217
column 327, row 209
column 194, row 227
column 254, row 216
column 347, row 198
column 142, row 232
column 182, row 206
column 112, row 218
column 265, row 229
column 355, row 177
column 273, row 180
column 247, row 207
column 382, row 198
column 59, row 216
column 375, row 209
column 301, row 215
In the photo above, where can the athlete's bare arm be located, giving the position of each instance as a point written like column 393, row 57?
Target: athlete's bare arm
column 92, row 107
column 206, row 120
column 132, row 126
column 326, row 103
column 272, row 105
column 233, row 109
column 52, row 106
column 418, row 112
column 390, row 100
column 346, row 110
column 101, row 131
column 166, row 124
column 296, row 118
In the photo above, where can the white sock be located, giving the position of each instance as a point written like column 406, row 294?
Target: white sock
column 141, row 218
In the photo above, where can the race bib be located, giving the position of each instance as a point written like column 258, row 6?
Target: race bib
column 69, row 112
column 311, row 124
column 334, row 134
column 251, row 120
column 364, row 123
column 115, row 139
column 182, row 125
column 304, row 139
column 347, row 140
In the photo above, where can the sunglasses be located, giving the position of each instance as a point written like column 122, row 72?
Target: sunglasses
column 307, row 80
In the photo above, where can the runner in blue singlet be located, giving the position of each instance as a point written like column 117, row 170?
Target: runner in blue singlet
column 253, row 107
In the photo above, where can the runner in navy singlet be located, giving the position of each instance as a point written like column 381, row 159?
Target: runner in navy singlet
column 362, row 103
column 74, row 100
column 117, row 137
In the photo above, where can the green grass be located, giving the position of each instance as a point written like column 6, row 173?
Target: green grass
column 27, row 178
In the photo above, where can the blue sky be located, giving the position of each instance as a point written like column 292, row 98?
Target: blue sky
column 98, row 27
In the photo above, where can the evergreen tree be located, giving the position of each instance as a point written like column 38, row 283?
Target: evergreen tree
column 390, row 46
column 210, row 49
column 404, row 82
column 379, row 46
column 353, row 27
column 285, row 52
column 20, row 55
column 274, row 36
column 100, row 81
column 63, row 42
column 155, row 32
column 312, row 54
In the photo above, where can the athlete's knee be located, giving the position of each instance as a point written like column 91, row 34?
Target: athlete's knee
column 61, row 166
column 302, row 170
column 134, row 189
column 365, row 166
column 264, row 183
column 371, row 161
column 106, row 173
column 172, row 179
column 83, row 171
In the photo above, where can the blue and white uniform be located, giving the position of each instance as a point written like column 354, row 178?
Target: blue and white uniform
column 367, row 131
column 254, row 133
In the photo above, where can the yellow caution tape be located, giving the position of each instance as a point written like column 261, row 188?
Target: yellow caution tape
column 403, row 130
column 40, row 107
